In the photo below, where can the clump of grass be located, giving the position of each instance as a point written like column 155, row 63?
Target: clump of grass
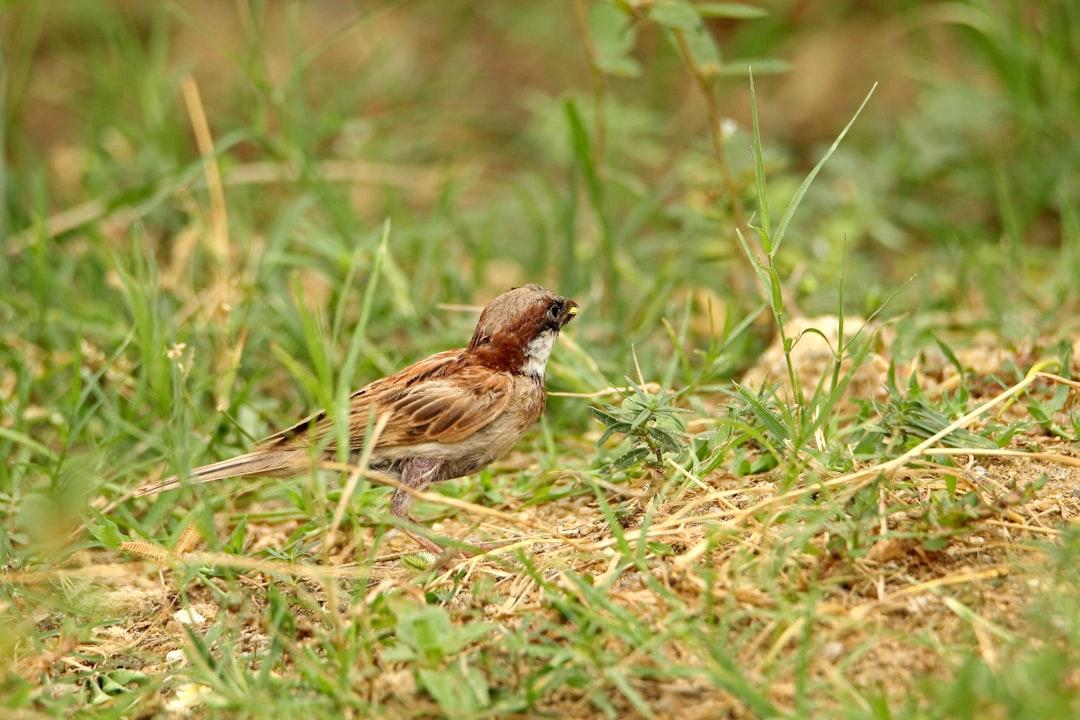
column 650, row 424
column 653, row 434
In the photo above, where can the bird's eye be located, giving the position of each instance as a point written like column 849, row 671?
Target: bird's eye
column 554, row 311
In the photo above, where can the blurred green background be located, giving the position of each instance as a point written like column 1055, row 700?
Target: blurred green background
column 474, row 127
column 962, row 169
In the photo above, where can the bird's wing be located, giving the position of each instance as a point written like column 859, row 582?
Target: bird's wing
column 444, row 409
column 440, row 399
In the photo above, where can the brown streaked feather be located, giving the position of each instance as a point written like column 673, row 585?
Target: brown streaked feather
column 445, row 398
column 447, row 410
column 258, row 462
column 311, row 426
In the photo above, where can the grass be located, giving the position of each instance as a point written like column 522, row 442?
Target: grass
column 818, row 466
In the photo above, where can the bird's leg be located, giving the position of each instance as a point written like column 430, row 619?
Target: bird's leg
column 417, row 474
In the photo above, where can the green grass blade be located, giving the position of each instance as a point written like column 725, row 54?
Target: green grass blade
column 759, row 171
column 796, row 200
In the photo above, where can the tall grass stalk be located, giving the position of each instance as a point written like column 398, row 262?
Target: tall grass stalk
column 763, row 259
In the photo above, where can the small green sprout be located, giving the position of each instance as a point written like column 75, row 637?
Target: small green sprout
column 649, row 423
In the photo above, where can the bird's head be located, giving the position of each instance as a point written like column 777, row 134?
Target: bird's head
column 517, row 329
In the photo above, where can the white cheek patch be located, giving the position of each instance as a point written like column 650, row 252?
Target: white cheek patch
column 537, row 352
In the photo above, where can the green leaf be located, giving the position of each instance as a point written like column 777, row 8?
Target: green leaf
column 1037, row 412
column 604, row 415
column 769, row 420
column 461, row 691
column 934, row 544
column 619, row 427
column 618, row 679
column 429, row 632
column 630, row 458
column 97, row 696
column 614, row 35
column 640, row 419
column 660, row 548
column 776, row 298
column 426, row 631
column 759, row 174
column 235, row 543
column 582, row 146
column 300, row 374
column 104, row 530
column 753, row 258
column 703, row 49
column 315, row 342
column 123, row 677
column 675, row 14
column 949, row 354
column 348, row 369
column 737, row 11
column 667, row 441
column 26, row 441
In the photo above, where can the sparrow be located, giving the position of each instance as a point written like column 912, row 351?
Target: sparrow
column 449, row 415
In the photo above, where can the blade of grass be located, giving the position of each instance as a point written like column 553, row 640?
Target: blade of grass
column 801, row 191
column 759, row 171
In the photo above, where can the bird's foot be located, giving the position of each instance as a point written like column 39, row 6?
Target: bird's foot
column 445, row 555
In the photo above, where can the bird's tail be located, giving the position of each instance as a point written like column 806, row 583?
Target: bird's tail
column 259, row 462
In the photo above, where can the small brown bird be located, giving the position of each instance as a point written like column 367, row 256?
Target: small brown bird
column 449, row 415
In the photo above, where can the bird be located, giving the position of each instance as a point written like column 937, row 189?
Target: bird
column 449, row 415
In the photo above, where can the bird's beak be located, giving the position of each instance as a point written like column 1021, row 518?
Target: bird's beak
column 569, row 312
